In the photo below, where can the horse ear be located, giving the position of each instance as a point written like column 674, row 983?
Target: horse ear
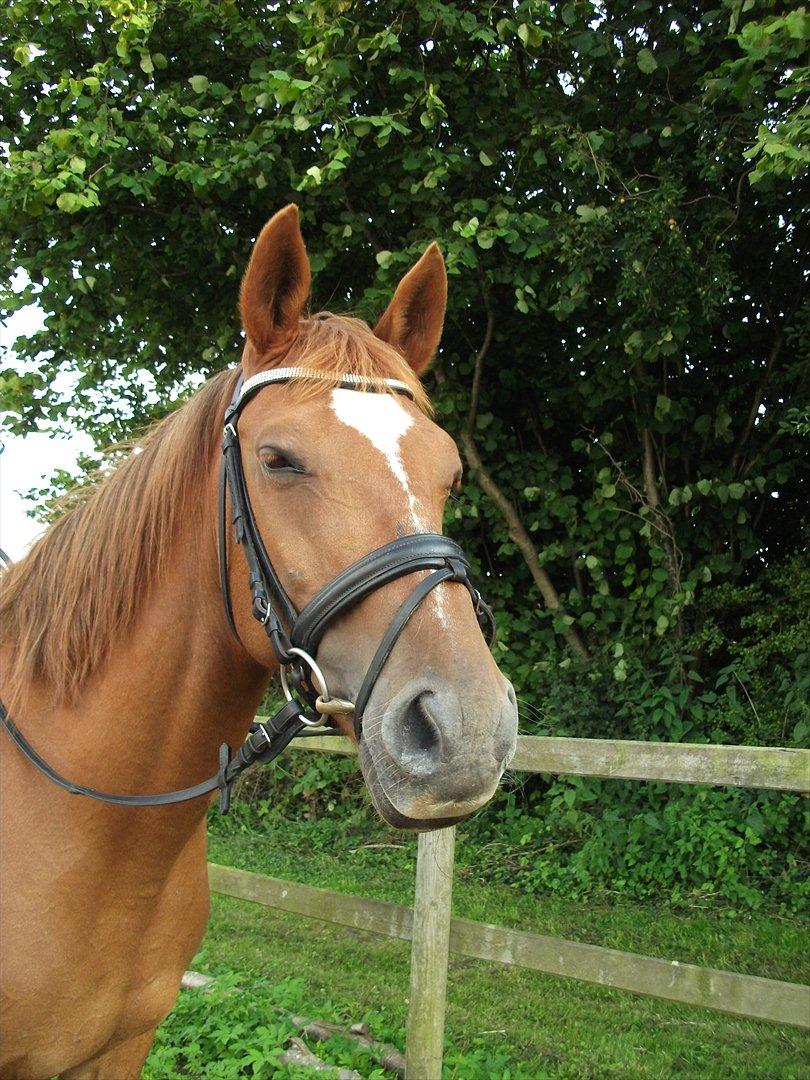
column 413, row 320
column 275, row 287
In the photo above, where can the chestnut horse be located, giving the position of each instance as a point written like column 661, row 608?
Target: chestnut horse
column 119, row 665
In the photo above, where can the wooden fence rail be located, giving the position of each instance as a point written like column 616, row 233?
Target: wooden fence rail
column 774, row 767
column 434, row 932
column 724, row 991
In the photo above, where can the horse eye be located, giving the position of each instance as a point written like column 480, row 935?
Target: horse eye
column 276, row 461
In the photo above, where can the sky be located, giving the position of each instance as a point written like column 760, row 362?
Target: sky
column 26, row 460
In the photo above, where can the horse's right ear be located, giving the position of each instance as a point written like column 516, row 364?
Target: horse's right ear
column 274, row 289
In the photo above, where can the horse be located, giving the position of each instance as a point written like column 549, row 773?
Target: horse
column 123, row 670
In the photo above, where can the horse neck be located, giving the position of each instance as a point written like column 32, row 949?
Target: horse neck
column 174, row 688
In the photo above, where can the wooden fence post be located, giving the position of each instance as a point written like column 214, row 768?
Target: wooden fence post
column 429, row 954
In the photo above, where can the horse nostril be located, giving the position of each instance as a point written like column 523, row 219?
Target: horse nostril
column 505, row 737
column 419, row 729
column 412, row 736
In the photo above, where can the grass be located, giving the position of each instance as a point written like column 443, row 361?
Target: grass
column 501, row 1021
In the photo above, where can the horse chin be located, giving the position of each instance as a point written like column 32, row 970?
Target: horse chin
column 386, row 809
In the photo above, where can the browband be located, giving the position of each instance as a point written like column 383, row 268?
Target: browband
column 348, row 381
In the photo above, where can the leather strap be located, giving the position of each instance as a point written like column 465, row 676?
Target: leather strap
column 265, row 586
column 395, row 628
column 265, row 743
column 164, row 798
column 222, row 547
column 422, row 551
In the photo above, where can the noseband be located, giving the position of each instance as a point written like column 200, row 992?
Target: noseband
column 295, row 636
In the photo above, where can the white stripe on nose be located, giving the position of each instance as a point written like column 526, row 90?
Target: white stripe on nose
column 383, row 420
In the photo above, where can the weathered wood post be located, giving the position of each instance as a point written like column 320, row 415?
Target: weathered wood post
column 429, row 952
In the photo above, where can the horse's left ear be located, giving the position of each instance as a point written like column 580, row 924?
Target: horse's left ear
column 413, row 320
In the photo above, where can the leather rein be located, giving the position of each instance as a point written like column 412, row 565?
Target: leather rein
column 309, row 705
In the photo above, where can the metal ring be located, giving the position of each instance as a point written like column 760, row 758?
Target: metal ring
column 317, row 678
column 320, row 722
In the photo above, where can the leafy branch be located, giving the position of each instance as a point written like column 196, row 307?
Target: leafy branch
column 483, row 477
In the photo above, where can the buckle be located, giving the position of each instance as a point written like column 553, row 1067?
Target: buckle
column 260, row 730
column 229, row 437
column 261, row 608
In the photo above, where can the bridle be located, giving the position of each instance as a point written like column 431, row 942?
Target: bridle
column 295, row 636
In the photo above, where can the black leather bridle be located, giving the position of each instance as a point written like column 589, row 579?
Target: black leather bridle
column 295, row 636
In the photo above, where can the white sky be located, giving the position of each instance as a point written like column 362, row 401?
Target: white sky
column 26, row 461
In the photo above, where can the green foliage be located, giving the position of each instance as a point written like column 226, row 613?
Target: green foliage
column 775, row 40
column 618, row 187
column 760, row 634
column 240, row 1025
column 687, row 847
column 586, row 839
column 238, row 1028
column 305, row 787
column 542, row 1025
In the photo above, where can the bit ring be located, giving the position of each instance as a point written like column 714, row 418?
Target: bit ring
column 317, row 678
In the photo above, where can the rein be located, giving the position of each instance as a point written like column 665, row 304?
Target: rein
column 309, row 705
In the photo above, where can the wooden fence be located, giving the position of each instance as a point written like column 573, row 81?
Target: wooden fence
column 434, row 932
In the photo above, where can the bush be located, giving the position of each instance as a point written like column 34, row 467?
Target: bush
column 664, row 843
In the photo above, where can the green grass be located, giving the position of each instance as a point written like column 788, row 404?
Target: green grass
column 501, row 1021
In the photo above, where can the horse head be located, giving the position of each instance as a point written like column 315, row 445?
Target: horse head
column 335, row 472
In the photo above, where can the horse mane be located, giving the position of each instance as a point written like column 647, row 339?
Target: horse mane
column 83, row 583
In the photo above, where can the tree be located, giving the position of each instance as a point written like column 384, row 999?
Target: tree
column 617, row 189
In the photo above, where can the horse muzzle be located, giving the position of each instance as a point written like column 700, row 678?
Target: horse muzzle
column 430, row 760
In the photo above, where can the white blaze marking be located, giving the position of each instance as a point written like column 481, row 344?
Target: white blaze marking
column 382, row 420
